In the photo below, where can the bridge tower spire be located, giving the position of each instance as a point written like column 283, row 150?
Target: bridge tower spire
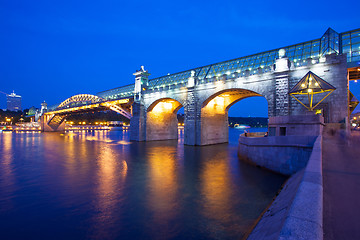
column 138, row 121
column 141, row 82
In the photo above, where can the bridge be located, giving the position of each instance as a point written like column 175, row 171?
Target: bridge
column 54, row 120
column 207, row 92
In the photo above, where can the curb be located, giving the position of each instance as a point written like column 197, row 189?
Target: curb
column 297, row 213
column 305, row 217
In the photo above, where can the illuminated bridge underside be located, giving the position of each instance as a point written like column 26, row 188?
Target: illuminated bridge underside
column 119, row 106
column 354, row 73
column 85, row 103
column 299, row 54
column 214, row 112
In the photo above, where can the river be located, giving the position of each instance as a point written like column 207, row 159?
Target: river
column 99, row 185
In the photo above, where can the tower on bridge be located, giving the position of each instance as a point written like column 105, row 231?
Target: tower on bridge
column 141, row 82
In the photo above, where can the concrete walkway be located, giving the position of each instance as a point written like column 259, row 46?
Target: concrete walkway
column 341, row 179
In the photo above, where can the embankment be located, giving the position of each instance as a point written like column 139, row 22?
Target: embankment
column 297, row 211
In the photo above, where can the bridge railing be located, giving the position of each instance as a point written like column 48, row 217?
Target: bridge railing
column 251, row 64
column 299, row 54
column 117, row 93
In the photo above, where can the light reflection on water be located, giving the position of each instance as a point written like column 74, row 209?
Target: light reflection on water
column 99, row 185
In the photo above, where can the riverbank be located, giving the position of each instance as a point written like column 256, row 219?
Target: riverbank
column 321, row 201
column 297, row 211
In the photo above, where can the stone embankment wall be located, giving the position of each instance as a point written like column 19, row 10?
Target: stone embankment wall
column 297, row 212
column 283, row 154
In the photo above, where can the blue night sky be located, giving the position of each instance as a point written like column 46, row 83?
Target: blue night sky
column 51, row 50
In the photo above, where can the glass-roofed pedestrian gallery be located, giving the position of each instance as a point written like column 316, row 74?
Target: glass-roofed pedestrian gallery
column 313, row 50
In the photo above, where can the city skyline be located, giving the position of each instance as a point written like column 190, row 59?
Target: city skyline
column 54, row 52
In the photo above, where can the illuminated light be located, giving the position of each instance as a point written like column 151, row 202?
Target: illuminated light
column 168, row 105
column 313, row 61
column 356, row 81
column 228, row 72
column 358, row 69
column 316, row 84
column 309, row 90
column 354, row 118
column 302, row 85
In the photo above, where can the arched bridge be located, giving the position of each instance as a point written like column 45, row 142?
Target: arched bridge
column 206, row 93
column 206, row 103
column 54, row 120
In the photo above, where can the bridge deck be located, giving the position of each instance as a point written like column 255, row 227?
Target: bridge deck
column 330, row 42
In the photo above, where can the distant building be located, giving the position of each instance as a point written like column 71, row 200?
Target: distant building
column 13, row 102
column 34, row 113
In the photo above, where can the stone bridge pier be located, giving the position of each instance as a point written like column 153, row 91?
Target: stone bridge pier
column 47, row 126
column 206, row 103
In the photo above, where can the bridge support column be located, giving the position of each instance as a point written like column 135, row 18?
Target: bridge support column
column 282, row 102
column 161, row 120
column 214, row 127
column 192, row 110
column 192, row 122
column 138, row 122
column 45, row 127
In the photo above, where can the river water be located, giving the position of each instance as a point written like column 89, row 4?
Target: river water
column 99, row 185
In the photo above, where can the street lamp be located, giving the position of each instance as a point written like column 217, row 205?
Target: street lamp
column 8, row 120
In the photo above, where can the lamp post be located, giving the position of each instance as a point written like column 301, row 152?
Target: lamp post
column 8, row 120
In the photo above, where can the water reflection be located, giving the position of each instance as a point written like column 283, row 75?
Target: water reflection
column 100, row 185
column 6, row 170
column 219, row 195
column 163, row 189
column 216, row 188
column 111, row 175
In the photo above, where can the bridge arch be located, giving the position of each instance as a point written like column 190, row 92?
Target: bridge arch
column 214, row 114
column 161, row 119
column 54, row 120
column 230, row 96
column 79, row 98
